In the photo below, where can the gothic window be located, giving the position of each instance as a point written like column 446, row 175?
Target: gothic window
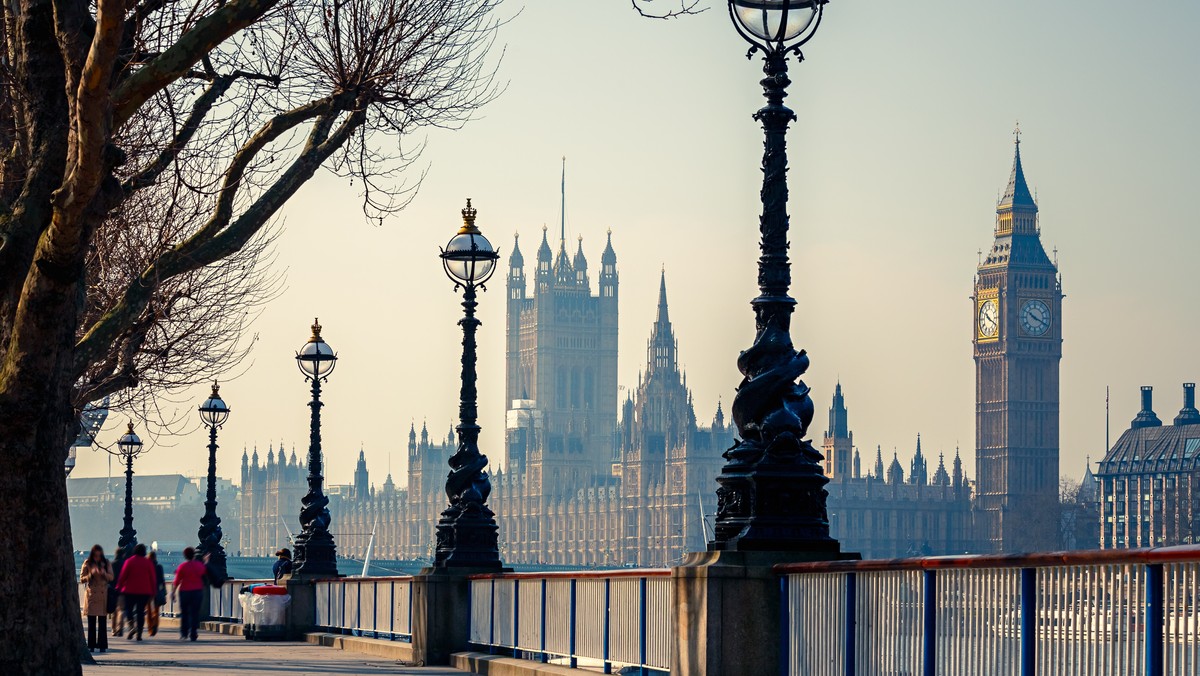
column 576, row 389
column 589, row 389
column 561, row 390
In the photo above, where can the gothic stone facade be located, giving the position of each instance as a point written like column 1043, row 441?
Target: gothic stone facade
column 885, row 514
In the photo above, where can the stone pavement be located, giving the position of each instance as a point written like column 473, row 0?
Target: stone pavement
column 220, row 655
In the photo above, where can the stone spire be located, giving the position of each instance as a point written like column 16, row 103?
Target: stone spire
column 879, row 463
column 1017, row 194
column 662, row 350
column 940, row 476
column 895, row 471
column 515, row 259
column 838, row 425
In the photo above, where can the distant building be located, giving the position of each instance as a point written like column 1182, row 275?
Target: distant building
column 885, row 513
column 166, row 508
column 1017, row 316
column 1150, row 479
column 270, row 501
column 565, row 498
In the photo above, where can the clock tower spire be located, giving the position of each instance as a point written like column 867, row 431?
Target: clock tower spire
column 1016, row 311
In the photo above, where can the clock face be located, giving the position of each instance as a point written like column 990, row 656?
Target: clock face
column 1036, row 317
column 989, row 319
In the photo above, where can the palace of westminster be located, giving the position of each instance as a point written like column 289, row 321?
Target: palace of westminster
column 591, row 479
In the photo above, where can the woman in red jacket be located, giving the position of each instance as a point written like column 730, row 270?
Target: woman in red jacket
column 137, row 583
column 189, row 586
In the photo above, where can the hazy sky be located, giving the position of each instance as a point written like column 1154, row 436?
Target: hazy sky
column 904, row 139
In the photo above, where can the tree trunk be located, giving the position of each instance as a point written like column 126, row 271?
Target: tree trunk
column 40, row 624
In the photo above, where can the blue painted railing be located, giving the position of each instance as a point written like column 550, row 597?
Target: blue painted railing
column 1133, row 612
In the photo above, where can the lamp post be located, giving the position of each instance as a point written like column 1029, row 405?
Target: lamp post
column 129, row 446
column 214, row 413
column 771, row 494
column 467, row 531
column 315, row 553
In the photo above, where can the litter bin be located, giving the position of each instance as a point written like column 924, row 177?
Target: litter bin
column 264, row 612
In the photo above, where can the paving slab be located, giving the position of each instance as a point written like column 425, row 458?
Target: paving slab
column 221, row 655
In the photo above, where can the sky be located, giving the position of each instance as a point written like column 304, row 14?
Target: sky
column 902, row 145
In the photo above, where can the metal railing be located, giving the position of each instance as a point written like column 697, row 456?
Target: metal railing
column 380, row 607
column 224, row 602
column 1131, row 612
column 602, row 619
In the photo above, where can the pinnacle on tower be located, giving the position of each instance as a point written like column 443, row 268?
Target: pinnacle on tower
column 1017, row 193
column 515, row 259
column 544, row 255
column 609, row 257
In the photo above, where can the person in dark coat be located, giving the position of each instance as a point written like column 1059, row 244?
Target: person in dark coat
column 115, row 620
column 160, row 595
column 283, row 565
column 137, row 583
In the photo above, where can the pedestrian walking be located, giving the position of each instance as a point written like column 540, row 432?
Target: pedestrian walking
column 160, row 595
column 115, row 620
column 96, row 575
column 189, row 589
column 137, row 584
column 283, row 565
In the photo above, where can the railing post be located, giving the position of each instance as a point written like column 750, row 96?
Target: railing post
column 574, row 662
column 851, row 621
column 342, row 620
column 607, row 628
column 545, row 657
column 642, row 625
column 1029, row 623
column 785, row 639
column 492, row 621
column 1154, row 620
column 516, row 617
column 357, row 611
column 930, row 623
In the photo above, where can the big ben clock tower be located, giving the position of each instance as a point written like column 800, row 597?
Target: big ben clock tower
column 1017, row 316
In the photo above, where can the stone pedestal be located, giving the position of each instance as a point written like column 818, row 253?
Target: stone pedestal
column 302, row 611
column 441, row 613
column 727, row 612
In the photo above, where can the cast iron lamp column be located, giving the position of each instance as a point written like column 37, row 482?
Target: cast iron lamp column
column 315, row 553
column 129, row 446
column 214, row 413
column 771, row 494
column 467, row 532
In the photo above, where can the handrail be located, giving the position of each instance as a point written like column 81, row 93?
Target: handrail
column 1182, row 553
column 576, row 574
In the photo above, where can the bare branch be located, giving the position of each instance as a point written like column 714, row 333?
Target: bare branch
column 685, row 7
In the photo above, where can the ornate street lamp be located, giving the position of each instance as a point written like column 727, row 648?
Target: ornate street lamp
column 467, row 531
column 771, row 494
column 129, row 446
column 315, row 553
column 214, row 413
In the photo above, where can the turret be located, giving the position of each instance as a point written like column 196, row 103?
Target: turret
column 879, row 463
column 545, row 260
column 580, row 264
column 941, row 477
column 361, row 478
column 857, row 464
column 608, row 271
column 895, row 471
column 516, row 271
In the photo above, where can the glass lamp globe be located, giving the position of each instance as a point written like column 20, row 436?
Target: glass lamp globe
column 213, row 411
column 775, row 21
column 316, row 359
column 469, row 257
column 129, row 443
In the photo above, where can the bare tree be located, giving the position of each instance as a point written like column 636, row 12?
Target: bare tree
column 149, row 146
